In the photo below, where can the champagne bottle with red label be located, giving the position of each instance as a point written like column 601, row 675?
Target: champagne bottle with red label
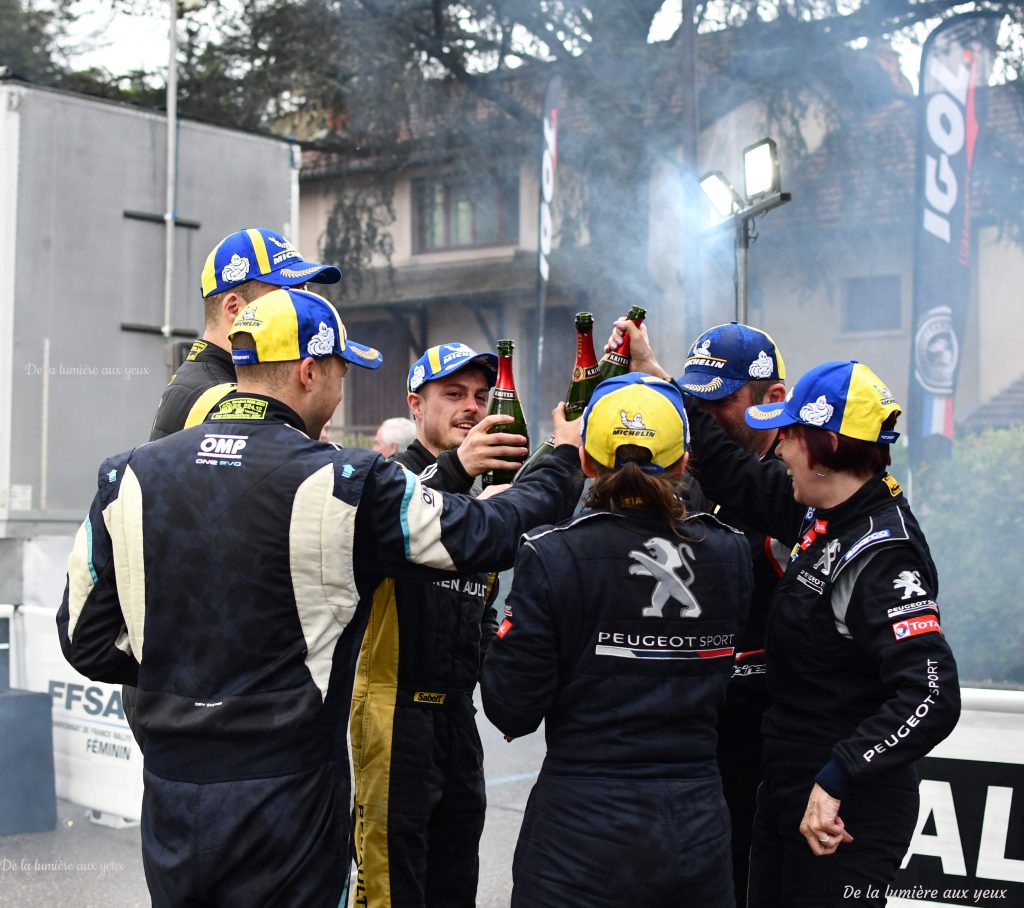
column 616, row 362
column 505, row 400
column 585, row 371
column 584, row 380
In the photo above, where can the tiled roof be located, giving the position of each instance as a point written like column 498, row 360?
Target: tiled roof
column 1005, row 409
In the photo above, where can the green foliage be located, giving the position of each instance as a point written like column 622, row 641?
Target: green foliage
column 390, row 85
column 972, row 510
column 28, row 39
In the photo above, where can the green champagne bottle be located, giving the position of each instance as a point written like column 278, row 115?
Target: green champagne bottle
column 616, row 362
column 505, row 400
column 585, row 378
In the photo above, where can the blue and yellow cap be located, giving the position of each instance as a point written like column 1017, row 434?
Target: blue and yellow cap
column 292, row 324
column 724, row 358
column 845, row 397
column 258, row 254
column 636, row 409
column 444, row 359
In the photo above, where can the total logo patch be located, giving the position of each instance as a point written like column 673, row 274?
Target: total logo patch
column 914, row 627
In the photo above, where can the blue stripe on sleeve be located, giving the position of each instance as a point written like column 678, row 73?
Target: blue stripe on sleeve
column 88, row 543
column 410, row 487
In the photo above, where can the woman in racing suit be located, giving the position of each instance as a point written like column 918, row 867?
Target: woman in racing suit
column 862, row 680
column 620, row 632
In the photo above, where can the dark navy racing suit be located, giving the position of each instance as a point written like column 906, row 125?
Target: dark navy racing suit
column 227, row 571
column 201, row 382
column 862, row 680
column 416, row 753
column 621, row 636
column 746, row 697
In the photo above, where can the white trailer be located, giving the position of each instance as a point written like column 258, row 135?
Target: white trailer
column 82, row 360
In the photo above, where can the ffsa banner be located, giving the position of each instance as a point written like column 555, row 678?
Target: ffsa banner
column 955, row 66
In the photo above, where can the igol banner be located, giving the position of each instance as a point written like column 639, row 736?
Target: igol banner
column 955, row 65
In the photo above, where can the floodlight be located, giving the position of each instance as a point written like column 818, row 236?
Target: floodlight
column 720, row 193
column 760, row 169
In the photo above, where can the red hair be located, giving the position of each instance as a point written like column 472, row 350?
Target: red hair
column 828, row 449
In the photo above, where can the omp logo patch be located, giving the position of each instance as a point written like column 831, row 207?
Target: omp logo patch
column 221, row 450
column 913, row 627
column 426, row 696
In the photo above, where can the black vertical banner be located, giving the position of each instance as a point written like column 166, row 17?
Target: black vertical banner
column 955, row 66
column 548, row 167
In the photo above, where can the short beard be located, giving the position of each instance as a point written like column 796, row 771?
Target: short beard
column 747, row 438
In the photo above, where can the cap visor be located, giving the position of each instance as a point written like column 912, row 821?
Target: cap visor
column 768, row 416
column 488, row 361
column 709, row 385
column 301, row 273
column 361, row 355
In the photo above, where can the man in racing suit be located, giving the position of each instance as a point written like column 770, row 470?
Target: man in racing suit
column 227, row 572
column 416, row 752
column 241, row 268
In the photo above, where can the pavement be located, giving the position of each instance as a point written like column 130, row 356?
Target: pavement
column 87, row 865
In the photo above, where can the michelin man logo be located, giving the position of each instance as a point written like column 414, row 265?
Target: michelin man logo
column 910, row 583
column 321, row 343
column 632, row 422
column 761, row 367
column 235, row 270
column 704, row 349
column 817, row 413
column 418, row 374
column 660, row 562
column 248, row 314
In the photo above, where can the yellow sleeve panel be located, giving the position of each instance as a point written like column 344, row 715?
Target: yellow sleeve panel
column 206, row 402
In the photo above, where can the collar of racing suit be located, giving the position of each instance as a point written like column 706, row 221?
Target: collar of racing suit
column 275, row 410
column 865, row 500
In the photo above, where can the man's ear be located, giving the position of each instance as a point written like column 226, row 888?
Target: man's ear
column 307, row 373
column 415, row 402
column 775, row 394
column 231, row 305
